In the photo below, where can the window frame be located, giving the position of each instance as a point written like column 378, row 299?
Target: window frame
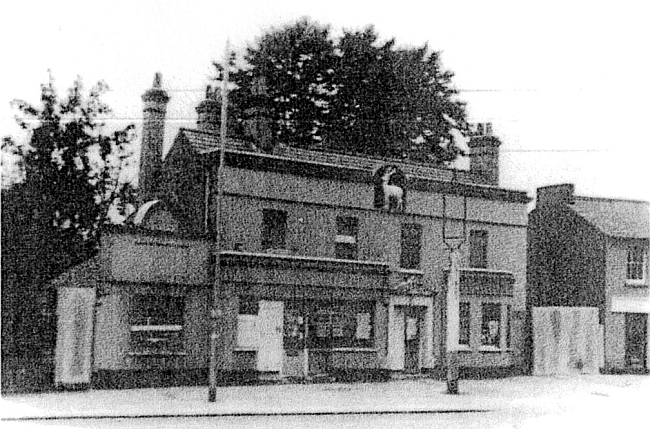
column 478, row 248
column 149, row 339
column 411, row 246
column 637, row 262
column 346, row 242
column 337, row 323
column 504, row 335
column 465, row 324
column 274, row 235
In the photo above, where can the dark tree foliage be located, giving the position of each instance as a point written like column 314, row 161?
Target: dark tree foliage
column 297, row 63
column 355, row 95
column 69, row 166
column 53, row 213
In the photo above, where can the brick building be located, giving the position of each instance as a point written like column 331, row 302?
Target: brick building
column 593, row 252
column 331, row 265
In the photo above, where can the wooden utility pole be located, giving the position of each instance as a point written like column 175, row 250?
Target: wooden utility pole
column 216, row 315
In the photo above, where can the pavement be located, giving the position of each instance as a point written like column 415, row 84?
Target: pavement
column 529, row 396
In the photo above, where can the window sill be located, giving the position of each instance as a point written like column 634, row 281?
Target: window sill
column 156, row 354
column 636, row 283
column 490, row 349
column 156, row 328
column 463, row 348
column 346, row 349
column 410, row 271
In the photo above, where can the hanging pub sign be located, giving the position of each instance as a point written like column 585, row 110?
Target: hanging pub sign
column 390, row 188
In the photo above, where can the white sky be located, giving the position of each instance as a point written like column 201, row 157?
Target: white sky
column 565, row 83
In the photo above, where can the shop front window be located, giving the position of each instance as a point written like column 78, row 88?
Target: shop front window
column 491, row 325
column 157, row 324
column 327, row 325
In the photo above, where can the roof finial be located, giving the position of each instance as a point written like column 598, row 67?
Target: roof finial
column 157, row 80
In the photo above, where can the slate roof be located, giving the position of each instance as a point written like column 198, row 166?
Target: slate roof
column 86, row 274
column 615, row 218
column 205, row 142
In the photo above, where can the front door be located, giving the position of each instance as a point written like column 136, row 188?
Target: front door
column 412, row 334
column 636, row 334
column 270, row 324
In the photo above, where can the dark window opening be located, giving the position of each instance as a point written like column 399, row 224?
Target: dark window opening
column 345, row 242
column 491, row 325
column 274, row 229
column 464, row 324
column 478, row 244
column 411, row 246
column 636, row 258
column 248, row 305
column 327, row 325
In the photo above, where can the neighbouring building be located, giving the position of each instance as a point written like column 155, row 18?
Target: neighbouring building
column 331, row 265
column 593, row 252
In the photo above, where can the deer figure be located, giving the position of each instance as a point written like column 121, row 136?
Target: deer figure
column 391, row 191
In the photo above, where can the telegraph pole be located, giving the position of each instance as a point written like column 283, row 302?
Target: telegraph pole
column 216, row 312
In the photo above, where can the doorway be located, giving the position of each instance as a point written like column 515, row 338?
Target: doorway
column 636, row 334
column 412, row 339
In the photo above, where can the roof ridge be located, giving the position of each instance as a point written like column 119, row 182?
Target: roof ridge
column 611, row 199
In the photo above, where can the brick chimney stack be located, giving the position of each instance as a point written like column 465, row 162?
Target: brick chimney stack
column 153, row 132
column 209, row 111
column 484, row 153
column 556, row 195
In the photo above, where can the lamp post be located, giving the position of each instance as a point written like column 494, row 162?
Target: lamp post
column 453, row 241
column 215, row 312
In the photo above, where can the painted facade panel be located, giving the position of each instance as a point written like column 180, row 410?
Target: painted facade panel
column 297, row 189
column 271, row 325
column 137, row 258
column 112, row 345
column 74, row 346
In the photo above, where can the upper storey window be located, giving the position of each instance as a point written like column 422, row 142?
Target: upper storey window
column 411, row 246
column 274, row 229
column 478, row 241
column 347, row 230
column 637, row 259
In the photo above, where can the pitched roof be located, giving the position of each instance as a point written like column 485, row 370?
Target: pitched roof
column 616, row 218
column 86, row 274
column 205, row 142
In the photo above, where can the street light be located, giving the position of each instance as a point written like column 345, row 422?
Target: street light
column 453, row 242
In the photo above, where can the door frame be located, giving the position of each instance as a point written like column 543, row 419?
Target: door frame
column 641, row 321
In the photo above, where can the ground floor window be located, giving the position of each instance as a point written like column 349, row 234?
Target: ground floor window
column 464, row 324
column 327, row 325
column 484, row 324
column 157, row 323
column 491, row 325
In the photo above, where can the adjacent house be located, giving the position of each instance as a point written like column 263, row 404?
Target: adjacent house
column 593, row 252
column 330, row 265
